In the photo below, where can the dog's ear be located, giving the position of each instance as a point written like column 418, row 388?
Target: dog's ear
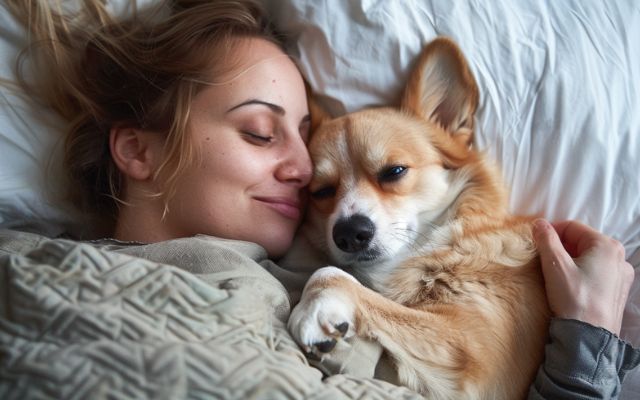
column 316, row 111
column 442, row 89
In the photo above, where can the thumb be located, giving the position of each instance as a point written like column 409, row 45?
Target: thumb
column 552, row 252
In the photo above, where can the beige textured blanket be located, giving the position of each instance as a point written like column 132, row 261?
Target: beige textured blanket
column 188, row 318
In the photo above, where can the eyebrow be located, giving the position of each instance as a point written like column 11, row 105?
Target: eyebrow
column 274, row 107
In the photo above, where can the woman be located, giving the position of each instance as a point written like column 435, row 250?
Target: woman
column 248, row 129
column 189, row 123
column 194, row 121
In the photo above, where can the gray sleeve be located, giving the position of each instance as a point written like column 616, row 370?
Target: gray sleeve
column 582, row 362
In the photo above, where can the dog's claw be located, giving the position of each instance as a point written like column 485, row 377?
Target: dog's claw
column 312, row 356
column 343, row 328
column 326, row 346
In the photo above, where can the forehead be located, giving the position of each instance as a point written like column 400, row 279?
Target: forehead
column 371, row 140
column 254, row 68
column 254, row 57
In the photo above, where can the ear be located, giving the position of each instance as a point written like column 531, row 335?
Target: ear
column 135, row 151
column 316, row 111
column 442, row 89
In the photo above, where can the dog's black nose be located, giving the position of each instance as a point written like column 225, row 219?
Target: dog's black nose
column 354, row 233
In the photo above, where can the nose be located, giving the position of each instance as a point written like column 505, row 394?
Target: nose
column 295, row 166
column 354, row 233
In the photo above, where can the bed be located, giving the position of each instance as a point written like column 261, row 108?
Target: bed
column 204, row 317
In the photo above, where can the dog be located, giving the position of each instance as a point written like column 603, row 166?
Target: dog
column 432, row 265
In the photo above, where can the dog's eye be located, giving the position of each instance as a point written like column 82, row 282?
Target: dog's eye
column 324, row 193
column 392, row 174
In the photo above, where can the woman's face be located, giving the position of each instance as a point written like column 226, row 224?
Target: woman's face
column 251, row 133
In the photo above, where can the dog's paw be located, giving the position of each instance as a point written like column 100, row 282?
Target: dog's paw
column 323, row 316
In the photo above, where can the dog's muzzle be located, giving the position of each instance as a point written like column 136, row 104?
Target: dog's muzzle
column 353, row 234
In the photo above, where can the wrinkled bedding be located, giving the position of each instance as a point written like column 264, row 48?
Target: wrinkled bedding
column 205, row 318
column 189, row 318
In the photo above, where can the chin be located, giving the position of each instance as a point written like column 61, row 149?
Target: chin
column 277, row 251
column 277, row 243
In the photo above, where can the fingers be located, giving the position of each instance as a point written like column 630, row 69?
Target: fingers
column 576, row 236
column 590, row 280
column 552, row 251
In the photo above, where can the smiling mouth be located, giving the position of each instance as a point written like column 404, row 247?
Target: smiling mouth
column 286, row 207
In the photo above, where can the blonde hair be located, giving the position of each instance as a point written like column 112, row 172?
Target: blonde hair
column 99, row 71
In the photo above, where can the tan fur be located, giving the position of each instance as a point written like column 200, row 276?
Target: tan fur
column 461, row 309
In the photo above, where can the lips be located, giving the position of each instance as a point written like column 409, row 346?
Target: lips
column 286, row 206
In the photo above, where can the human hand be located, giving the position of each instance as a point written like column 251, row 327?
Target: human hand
column 585, row 273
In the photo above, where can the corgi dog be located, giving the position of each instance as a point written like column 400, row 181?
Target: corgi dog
column 432, row 265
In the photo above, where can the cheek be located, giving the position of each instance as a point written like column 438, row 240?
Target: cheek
column 424, row 190
column 433, row 186
column 234, row 165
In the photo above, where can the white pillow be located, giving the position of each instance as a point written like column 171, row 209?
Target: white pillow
column 32, row 184
column 33, row 187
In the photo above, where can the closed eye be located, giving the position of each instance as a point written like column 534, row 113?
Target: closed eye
column 256, row 138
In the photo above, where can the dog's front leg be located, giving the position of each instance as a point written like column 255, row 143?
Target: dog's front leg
column 429, row 352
